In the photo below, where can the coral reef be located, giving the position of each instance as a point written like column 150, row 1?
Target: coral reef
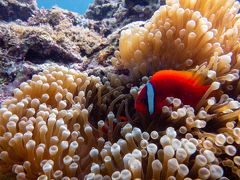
column 38, row 43
column 114, row 14
column 79, row 121
column 54, row 16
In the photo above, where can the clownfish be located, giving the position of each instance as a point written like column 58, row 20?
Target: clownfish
column 169, row 83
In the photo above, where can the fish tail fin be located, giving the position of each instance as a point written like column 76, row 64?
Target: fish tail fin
column 194, row 77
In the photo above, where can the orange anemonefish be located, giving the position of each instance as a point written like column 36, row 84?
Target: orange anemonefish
column 169, row 83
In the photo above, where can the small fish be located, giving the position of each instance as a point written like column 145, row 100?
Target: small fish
column 169, row 83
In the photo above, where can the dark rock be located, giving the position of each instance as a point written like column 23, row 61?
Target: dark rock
column 11, row 10
column 131, row 3
column 113, row 14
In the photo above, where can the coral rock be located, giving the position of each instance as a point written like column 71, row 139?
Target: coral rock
column 11, row 10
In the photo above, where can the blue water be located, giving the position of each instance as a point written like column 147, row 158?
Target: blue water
column 79, row 6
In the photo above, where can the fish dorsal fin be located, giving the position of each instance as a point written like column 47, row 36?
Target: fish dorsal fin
column 150, row 98
column 197, row 78
column 193, row 77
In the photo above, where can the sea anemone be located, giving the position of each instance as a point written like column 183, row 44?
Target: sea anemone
column 66, row 124
column 45, row 131
column 180, row 35
column 150, row 156
column 49, row 126
column 192, row 35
